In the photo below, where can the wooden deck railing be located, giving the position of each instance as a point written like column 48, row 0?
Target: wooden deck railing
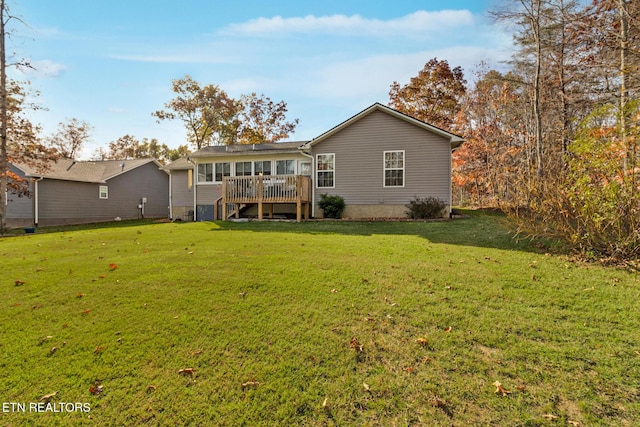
column 268, row 189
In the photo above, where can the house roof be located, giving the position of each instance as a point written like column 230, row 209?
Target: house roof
column 248, row 149
column 180, row 164
column 454, row 140
column 84, row 171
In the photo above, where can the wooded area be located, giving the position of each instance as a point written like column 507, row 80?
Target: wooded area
column 553, row 138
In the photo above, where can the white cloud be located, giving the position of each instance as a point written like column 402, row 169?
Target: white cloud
column 414, row 24
column 42, row 68
column 372, row 76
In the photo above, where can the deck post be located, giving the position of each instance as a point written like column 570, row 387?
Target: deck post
column 224, row 200
column 299, row 199
column 260, row 195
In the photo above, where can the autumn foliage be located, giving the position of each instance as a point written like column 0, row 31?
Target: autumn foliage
column 551, row 139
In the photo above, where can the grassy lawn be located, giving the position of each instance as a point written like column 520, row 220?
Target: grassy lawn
column 317, row 324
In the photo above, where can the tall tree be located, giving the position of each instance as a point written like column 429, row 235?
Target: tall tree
column 19, row 140
column 4, row 166
column 263, row 120
column 208, row 113
column 70, row 137
column 433, row 96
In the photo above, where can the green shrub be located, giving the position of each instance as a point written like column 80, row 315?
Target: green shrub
column 429, row 207
column 332, row 206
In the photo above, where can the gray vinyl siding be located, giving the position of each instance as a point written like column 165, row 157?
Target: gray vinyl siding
column 359, row 166
column 68, row 202
column 127, row 190
column 19, row 209
column 181, row 194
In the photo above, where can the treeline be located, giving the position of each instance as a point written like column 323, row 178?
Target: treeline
column 553, row 140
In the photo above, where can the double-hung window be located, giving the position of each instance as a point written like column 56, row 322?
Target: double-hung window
column 243, row 168
column 205, row 172
column 221, row 170
column 394, row 168
column 262, row 167
column 103, row 192
column 285, row 167
column 325, row 170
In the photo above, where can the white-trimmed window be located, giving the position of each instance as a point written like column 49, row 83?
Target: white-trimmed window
column 325, row 170
column 285, row 167
column 103, row 192
column 221, row 170
column 243, row 168
column 205, row 172
column 394, row 168
column 262, row 167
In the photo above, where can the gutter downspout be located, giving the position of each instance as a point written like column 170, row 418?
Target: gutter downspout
column 195, row 189
column 313, row 182
column 170, row 197
column 36, row 217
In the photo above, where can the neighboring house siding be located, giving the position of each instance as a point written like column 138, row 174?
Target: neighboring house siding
column 127, row 190
column 19, row 209
column 70, row 202
column 359, row 171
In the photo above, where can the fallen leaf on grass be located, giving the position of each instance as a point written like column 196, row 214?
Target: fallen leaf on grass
column 409, row 369
column 550, row 417
column 43, row 339
column 355, row 344
column 19, row 282
column 151, row 388
column 438, row 403
column 366, row 387
column 447, row 329
column 574, row 423
column 113, row 266
column 79, row 295
column 47, row 397
column 197, row 352
column 85, row 312
column 95, row 389
column 98, row 349
column 500, row 389
column 16, row 304
column 325, row 403
column 52, row 351
column 187, row 371
column 422, row 341
column 250, row 384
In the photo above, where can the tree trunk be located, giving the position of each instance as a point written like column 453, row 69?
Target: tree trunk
column 537, row 113
column 4, row 166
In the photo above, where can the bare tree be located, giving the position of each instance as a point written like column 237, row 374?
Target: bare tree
column 70, row 137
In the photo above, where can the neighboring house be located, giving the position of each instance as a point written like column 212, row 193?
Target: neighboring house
column 378, row 160
column 76, row 192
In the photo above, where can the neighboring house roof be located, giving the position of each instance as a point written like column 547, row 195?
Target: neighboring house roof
column 180, row 164
column 98, row 171
column 455, row 140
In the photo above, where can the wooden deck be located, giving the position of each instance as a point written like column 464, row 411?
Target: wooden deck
column 266, row 190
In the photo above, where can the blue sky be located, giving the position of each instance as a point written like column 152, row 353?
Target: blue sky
column 111, row 63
